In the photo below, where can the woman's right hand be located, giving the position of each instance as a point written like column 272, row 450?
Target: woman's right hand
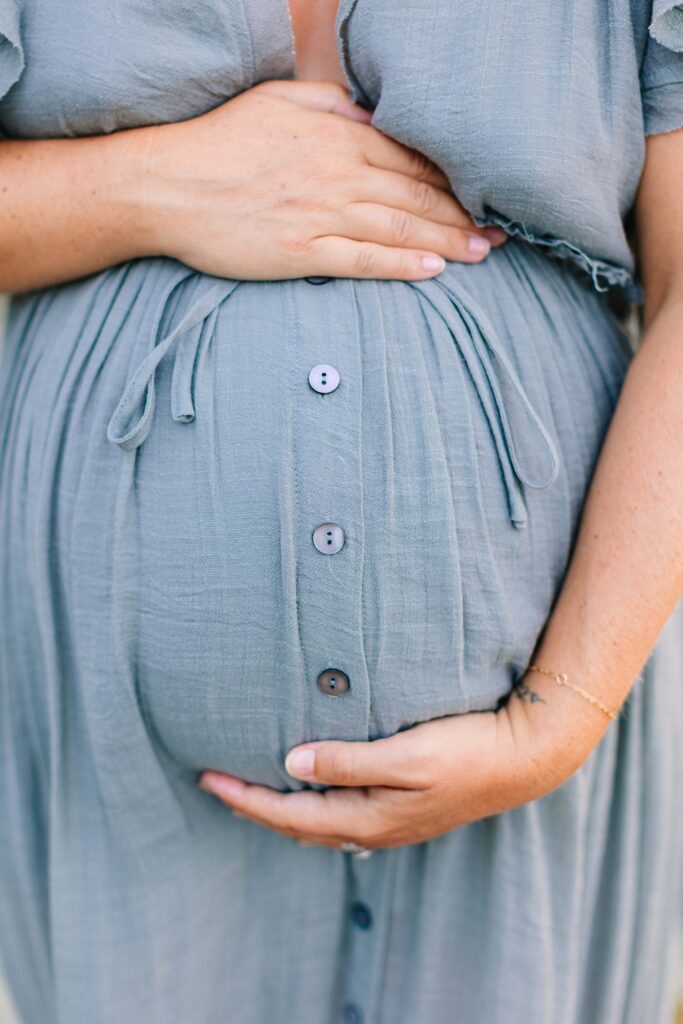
column 289, row 179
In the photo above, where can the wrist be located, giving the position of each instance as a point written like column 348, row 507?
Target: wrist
column 556, row 729
column 138, row 196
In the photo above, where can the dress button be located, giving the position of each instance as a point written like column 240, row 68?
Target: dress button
column 352, row 1014
column 324, row 378
column 318, row 280
column 333, row 682
column 328, row 538
column 361, row 916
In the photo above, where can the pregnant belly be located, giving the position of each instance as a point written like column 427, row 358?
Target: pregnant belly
column 329, row 510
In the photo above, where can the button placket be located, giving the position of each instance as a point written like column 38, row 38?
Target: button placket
column 372, row 885
column 326, row 437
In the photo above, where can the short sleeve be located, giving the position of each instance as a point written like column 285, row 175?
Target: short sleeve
column 11, row 51
column 661, row 74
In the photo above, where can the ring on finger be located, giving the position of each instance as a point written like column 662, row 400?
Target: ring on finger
column 356, row 851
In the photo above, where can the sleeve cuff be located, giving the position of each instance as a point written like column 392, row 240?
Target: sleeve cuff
column 663, row 108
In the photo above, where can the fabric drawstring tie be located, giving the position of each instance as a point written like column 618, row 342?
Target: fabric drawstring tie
column 132, row 419
column 526, row 451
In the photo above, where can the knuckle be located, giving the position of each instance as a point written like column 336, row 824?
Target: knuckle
column 421, row 165
column 298, row 246
column 365, row 262
column 418, row 770
column 335, row 129
column 456, row 243
column 401, row 226
column 423, row 197
column 336, row 89
column 339, row 766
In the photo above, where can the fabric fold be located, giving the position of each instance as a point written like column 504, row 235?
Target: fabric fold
column 526, row 451
column 11, row 49
column 667, row 24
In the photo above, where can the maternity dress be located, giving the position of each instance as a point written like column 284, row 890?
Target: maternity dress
column 238, row 516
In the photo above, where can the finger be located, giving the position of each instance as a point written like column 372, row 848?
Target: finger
column 404, row 192
column 303, row 838
column 326, row 97
column 496, row 236
column 329, row 815
column 396, row 762
column 395, row 227
column 381, row 151
column 344, row 257
column 330, row 844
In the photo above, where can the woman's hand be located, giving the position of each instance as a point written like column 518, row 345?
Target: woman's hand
column 290, row 180
column 426, row 781
column 286, row 180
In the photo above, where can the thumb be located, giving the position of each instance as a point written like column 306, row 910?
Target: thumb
column 326, row 97
column 383, row 762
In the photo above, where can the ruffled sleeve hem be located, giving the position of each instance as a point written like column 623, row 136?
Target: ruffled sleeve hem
column 11, row 51
column 604, row 276
column 667, row 24
column 661, row 75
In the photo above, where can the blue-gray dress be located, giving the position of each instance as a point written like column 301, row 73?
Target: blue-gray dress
column 169, row 445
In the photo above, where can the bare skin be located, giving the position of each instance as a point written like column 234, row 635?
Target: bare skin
column 624, row 580
column 288, row 179
column 317, row 59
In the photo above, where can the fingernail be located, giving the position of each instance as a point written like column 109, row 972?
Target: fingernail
column 495, row 235
column 300, row 763
column 478, row 245
column 433, row 264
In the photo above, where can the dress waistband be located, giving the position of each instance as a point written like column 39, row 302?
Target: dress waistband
column 526, row 451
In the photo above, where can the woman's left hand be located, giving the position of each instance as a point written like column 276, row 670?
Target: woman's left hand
column 420, row 783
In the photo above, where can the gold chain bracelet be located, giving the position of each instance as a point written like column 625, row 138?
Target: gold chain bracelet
column 562, row 679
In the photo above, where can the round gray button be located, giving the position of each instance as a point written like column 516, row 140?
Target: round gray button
column 361, row 915
column 324, row 378
column 333, row 682
column 328, row 538
column 318, row 280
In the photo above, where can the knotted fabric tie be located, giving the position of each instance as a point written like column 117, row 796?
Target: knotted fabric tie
column 132, row 419
column 526, row 451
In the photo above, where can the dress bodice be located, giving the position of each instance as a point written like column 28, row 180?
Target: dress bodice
column 537, row 112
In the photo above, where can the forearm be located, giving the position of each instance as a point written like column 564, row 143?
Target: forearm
column 626, row 572
column 69, row 207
